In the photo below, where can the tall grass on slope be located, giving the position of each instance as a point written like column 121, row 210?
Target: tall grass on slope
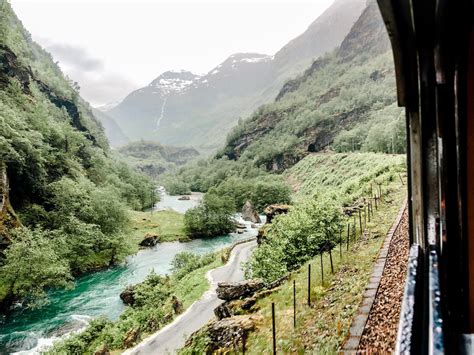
column 349, row 175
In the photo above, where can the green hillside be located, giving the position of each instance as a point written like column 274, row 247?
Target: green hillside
column 70, row 196
column 154, row 159
column 350, row 175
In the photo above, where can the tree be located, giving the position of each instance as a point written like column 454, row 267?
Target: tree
column 32, row 264
column 308, row 229
column 177, row 187
column 269, row 192
column 211, row 218
column 349, row 141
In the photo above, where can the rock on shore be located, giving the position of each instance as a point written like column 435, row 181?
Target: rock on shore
column 249, row 213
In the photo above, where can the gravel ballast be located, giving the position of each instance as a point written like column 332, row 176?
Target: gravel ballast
column 380, row 331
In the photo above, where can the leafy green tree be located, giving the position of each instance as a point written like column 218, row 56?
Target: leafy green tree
column 266, row 262
column 213, row 217
column 270, row 192
column 309, row 229
column 177, row 187
column 32, row 264
column 349, row 141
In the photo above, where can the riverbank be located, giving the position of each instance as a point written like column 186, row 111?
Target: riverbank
column 166, row 226
column 157, row 302
column 96, row 294
column 165, row 222
column 171, row 338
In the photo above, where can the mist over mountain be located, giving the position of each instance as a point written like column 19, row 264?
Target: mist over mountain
column 186, row 109
column 112, row 130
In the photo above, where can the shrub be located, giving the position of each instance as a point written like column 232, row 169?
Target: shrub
column 177, row 188
column 185, row 262
column 213, row 217
column 32, row 263
column 309, row 228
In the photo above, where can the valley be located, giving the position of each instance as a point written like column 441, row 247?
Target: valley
column 117, row 222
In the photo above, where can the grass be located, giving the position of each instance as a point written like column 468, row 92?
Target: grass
column 347, row 173
column 191, row 287
column 169, row 225
column 323, row 327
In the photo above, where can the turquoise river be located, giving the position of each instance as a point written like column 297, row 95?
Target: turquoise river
column 95, row 294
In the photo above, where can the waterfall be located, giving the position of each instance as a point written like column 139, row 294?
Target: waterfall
column 158, row 121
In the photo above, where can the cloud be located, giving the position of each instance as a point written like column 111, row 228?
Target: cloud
column 98, row 85
column 75, row 57
column 103, row 87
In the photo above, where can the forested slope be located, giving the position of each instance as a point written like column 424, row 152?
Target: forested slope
column 154, row 159
column 71, row 197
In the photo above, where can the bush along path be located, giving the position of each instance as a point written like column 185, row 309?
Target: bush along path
column 313, row 305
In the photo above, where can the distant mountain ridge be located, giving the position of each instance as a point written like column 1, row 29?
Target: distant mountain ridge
column 186, row 109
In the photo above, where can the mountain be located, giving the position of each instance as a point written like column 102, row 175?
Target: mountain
column 112, row 130
column 344, row 101
column 181, row 108
column 322, row 36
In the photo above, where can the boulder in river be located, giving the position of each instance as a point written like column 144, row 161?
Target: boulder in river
column 128, row 296
column 184, row 198
column 249, row 213
column 239, row 225
column 274, row 210
column 234, row 290
column 150, row 240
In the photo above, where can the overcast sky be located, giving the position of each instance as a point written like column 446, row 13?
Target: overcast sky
column 113, row 47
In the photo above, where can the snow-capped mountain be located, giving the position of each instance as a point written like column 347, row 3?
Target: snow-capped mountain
column 181, row 108
column 173, row 82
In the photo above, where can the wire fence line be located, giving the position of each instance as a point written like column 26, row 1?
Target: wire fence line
column 353, row 235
